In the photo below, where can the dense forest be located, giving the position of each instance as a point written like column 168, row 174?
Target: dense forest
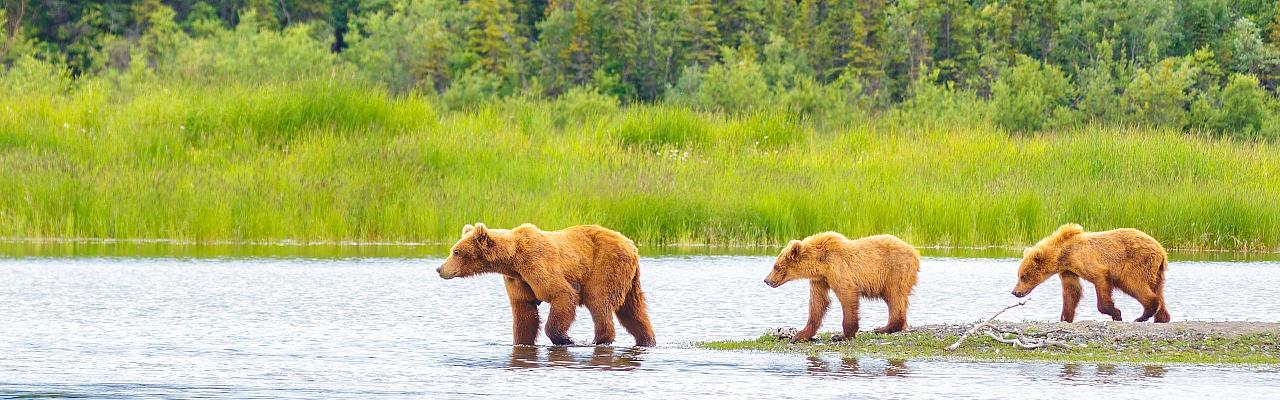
column 1203, row 65
column 693, row 121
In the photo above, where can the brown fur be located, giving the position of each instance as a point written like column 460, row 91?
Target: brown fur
column 879, row 267
column 1126, row 259
column 581, row 265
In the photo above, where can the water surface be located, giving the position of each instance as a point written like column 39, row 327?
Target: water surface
column 239, row 328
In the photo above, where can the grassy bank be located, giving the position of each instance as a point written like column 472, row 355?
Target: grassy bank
column 317, row 161
column 1188, row 346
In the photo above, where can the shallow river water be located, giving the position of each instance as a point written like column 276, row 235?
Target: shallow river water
column 391, row 328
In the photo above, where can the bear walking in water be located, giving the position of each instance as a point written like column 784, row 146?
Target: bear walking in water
column 881, row 266
column 1125, row 259
column 582, row 265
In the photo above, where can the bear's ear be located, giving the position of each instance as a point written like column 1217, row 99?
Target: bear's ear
column 796, row 248
column 1035, row 255
column 482, row 235
column 466, row 229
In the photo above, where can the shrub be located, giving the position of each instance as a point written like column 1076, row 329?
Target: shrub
column 1027, row 95
column 473, row 89
column 810, row 98
column 1242, row 107
column 30, row 75
column 1159, row 95
column 254, row 54
column 736, row 85
column 581, row 103
column 405, row 49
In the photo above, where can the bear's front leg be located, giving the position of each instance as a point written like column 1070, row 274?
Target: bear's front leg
column 1071, row 292
column 563, row 310
column 524, row 312
column 819, row 301
column 849, row 303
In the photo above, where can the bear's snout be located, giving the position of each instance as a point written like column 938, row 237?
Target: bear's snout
column 441, row 272
column 1018, row 294
column 770, row 283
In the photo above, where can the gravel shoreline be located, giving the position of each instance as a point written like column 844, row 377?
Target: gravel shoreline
column 1104, row 331
column 1192, row 342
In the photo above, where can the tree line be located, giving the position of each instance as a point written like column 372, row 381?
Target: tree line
column 1204, row 65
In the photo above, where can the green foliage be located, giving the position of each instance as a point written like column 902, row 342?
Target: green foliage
column 737, row 85
column 491, row 34
column 1159, row 95
column 1242, row 108
column 817, row 101
column 1159, row 63
column 30, row 75
column 1029, row 95
column 408, row 47
column 583, row 104
column 254, row 53
column 1098, row 85
column 473, row 89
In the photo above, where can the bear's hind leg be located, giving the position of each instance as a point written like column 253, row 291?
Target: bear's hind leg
column 898, row 304
column 1162, row 315
column 602, row 316
column 1150, row 302
column 1105, row 304
column 635, row 318
column 563, row 311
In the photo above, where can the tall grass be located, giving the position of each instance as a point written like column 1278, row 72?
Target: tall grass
column 326, row 161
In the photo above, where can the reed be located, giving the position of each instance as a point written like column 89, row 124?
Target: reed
column 325, row 160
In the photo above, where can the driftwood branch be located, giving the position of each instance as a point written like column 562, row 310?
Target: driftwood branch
column 980, row 325
column 1026, row 343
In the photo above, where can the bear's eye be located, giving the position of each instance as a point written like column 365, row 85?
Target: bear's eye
column 457, row 253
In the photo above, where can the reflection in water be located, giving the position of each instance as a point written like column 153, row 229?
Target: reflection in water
column 602, row 357
column 1106, row 369
column 1112, row 372
column 850, row 367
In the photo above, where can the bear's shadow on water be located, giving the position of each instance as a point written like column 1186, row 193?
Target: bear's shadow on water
column 1108, row 373
column 601, row 358
column 849, row 367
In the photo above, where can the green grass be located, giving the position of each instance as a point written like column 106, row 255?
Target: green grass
column 1247, row 349
column 321, row 161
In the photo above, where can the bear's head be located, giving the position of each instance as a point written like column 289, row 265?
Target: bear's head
column 1035, row 269
column 481, row 250
column 797, row 261
column 1041, row 261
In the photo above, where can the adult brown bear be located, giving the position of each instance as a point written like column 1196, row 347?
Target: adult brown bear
column 581, row 265
column 1126, row 259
